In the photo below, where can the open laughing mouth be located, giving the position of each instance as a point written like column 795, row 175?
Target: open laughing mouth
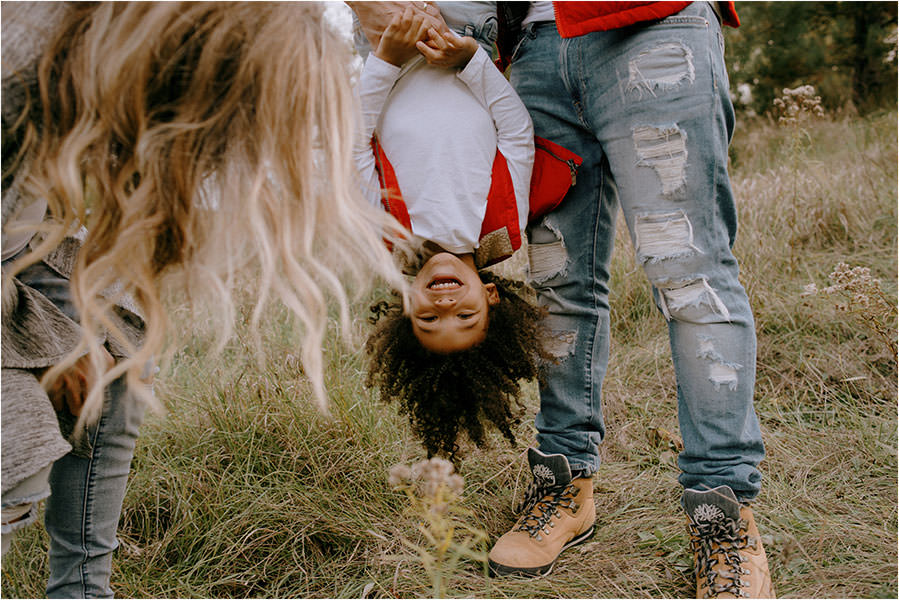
column 444, row 283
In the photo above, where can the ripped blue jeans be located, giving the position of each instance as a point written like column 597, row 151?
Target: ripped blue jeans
column 647, row 107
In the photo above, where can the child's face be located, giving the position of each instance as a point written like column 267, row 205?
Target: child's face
column 449, row 304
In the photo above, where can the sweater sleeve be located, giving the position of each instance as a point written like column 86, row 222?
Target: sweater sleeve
column 374, row 86
column 514, row 130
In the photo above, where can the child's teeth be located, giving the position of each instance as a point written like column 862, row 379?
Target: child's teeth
column 442, row 285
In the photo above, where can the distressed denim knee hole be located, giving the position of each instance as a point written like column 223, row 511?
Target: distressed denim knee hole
column 664, row 149
column 674, row 299
column 721, row 372
column 547, row 254
column 660, row 236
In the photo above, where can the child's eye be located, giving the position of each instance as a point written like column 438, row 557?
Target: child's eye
column 428, row 319
column 464, row 316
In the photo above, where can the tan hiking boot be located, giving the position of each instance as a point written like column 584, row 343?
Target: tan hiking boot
column 729, row 559
column 556, row 513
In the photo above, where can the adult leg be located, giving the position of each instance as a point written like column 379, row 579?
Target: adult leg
column 85, row 503
column 569, row 252
column 664, row 124
column 87, row 485
column 665, row 129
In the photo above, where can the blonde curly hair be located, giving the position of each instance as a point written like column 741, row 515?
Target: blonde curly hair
column 195, row 142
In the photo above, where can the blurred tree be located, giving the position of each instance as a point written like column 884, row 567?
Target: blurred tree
column 847, row 50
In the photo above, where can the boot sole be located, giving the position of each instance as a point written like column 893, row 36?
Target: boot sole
column 499, row 570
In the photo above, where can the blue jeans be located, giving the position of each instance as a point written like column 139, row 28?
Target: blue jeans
column 87, row 486
column 647, row 107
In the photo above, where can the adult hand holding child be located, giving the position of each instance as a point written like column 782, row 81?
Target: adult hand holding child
column 398, row 43
column 375, row 17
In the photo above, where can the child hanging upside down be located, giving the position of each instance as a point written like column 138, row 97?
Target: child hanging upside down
column 449, row 151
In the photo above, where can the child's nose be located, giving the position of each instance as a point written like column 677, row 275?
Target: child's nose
column 446, row 301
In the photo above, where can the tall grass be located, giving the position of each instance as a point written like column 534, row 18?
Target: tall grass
column 244, row 490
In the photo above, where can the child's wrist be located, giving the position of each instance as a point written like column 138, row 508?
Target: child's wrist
column 471, row 47
column 389, row 58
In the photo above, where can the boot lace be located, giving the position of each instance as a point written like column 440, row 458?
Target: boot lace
column 540, row 504
column 726, row 538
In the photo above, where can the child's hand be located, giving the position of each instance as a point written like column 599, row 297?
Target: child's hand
column 446, row 49
column 397, row 44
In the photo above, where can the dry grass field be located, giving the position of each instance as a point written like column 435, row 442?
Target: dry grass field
column 243, row 490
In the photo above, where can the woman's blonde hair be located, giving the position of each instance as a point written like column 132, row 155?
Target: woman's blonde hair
column 195, row 142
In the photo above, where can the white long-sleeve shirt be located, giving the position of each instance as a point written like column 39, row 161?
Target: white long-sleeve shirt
column 440, row 128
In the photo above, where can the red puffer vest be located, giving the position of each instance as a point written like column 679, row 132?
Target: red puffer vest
column 555, row 170
column 577, row 18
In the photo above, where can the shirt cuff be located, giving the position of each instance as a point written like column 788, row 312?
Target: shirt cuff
column 476, row 65
column 381, row 68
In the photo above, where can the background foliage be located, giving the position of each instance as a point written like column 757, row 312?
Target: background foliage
column 847, row 50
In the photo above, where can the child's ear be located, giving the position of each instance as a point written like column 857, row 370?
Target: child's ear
column 492, row 294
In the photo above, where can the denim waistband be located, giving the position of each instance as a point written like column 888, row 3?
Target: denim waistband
column 533, row 26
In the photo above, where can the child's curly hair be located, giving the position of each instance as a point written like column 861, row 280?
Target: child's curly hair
column 468, row 390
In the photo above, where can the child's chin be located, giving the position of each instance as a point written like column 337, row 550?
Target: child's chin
column 446, row 261
column 441, row 257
